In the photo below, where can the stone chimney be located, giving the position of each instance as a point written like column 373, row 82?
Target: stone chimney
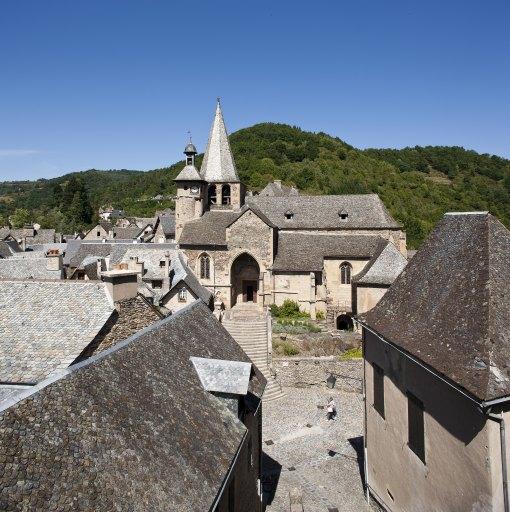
column 278, row 183
column 121, row 283
column 54, row 261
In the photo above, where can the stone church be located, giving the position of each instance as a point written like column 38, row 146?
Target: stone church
column 262, row 249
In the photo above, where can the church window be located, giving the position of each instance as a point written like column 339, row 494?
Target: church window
column 205, row 266
column 345, row 273
column 182, row 295
column 212, row 194
column 225, row 194
column 289, row 215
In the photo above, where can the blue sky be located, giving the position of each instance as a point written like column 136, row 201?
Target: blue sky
column 118, row 83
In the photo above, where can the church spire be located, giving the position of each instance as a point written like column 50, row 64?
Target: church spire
column 218, row 163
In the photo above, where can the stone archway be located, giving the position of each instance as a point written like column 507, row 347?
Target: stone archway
column 344, row 323
column 244, row 279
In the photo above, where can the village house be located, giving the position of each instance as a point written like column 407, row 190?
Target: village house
column 278, row 245
column 119, row 430
column 33, row 265
column 437, row 379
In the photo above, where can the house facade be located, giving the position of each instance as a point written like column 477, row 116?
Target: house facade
column 437, row 384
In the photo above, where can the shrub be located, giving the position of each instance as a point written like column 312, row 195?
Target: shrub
column 286, row 348
column 289, row 309
column 320, row 315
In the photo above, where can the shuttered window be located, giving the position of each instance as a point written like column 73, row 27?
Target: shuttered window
column 379, row 390
column 416, row 426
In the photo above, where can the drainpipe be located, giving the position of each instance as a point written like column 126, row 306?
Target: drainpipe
column 499, row 418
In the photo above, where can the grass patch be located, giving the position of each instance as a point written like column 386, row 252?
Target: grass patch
column 294, row 326
column 285, row 348
column 352, row 353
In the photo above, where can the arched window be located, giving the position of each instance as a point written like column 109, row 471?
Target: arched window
column 211, row 194
column 205, row 267
column 225, row 194
column 345, row 273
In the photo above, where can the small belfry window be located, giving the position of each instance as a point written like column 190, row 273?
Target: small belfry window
column 182, row 295
column 205, row 267
column 345, row 273
column 225, row 194
column 211, row 194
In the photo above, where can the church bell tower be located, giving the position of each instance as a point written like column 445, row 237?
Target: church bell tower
column 189, row 204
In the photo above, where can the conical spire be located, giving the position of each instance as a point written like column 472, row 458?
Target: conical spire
column 218, row 163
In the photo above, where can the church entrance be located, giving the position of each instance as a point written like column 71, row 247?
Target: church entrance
column 244, row 277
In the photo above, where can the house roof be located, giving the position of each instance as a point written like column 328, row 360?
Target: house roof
column 131, row 232
column 298, row 252
column 167, row 222
column 449, row 306
column 218, row 163
column 26, row 268
column 9, row 248
column 120, row 430
column 383, row 268
column 210, row 229
column 276, row 189
column 189, row 173
column 98, row 250
column 47, row 324
column 221, row 376
column 40, row 236
column 180, row 272
column 364, row 211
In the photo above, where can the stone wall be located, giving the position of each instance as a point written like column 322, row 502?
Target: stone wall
column 313, row 371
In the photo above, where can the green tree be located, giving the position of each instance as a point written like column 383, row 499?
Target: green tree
column 20, row 217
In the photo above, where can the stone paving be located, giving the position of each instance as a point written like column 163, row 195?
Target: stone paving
column 304, row 450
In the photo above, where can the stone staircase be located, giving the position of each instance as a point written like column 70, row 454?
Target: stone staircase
column 248, row 326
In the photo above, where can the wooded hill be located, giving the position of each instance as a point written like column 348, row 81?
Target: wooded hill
column 416, row 184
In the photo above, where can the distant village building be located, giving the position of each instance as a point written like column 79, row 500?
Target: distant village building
column 110, row 213
column 161, row 421
column 276, row 189
column 437, row 378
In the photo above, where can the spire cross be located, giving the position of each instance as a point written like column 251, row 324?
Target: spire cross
column 189, row 134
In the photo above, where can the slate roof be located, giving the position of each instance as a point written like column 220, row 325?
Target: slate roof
column 27, row 268
column 189, row 173
column 129, row 429
column 98, row 250
column 168, row 224
column 119, row 252
column 44, row 326
column 40, row 236
column 276, row 189
column 128, row 233
column 210, row 229
column 298, row 252
column 383, row 268
column 9, row 248
column 365, row 211
column 218, row 163
column 180, row 272
column 218, row 375
column 151, row 259
column 450, row 307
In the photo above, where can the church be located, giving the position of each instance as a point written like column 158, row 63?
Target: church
column 333, row 255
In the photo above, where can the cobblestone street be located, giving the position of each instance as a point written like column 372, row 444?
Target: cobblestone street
column 304, row 450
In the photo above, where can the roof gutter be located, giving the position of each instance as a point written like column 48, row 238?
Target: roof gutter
column 227, row 477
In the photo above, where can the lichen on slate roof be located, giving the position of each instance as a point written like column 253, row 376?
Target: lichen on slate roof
column 129, row 429
column 45, row 325
column 449, row 307
column 383, row 268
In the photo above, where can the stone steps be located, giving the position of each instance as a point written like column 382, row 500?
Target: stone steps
column 248, row 327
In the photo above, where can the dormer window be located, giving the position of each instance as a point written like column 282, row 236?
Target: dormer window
column 289, row 215
column 343, row 214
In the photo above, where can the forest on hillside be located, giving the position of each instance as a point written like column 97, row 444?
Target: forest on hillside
column 416, row 184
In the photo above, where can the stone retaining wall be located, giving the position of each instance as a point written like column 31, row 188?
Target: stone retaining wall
column 313, row 371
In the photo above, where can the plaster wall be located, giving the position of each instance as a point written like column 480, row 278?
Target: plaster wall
column 172, row 302
column 456, row 475
column 93, row 233
column 294, row 286
column 367, row 297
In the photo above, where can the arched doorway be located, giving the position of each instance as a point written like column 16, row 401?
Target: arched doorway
column 344, row 323
column 244, row 278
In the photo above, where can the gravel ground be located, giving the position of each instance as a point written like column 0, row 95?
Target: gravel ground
column 310, row 453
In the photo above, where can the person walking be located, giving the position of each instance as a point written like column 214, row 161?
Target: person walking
column 331, row 409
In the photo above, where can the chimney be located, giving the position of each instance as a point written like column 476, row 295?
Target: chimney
column 24, row 244
column 54, row 260
column 278, row 183
column 99, row 268
column 121, row 283
column 166, row 277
